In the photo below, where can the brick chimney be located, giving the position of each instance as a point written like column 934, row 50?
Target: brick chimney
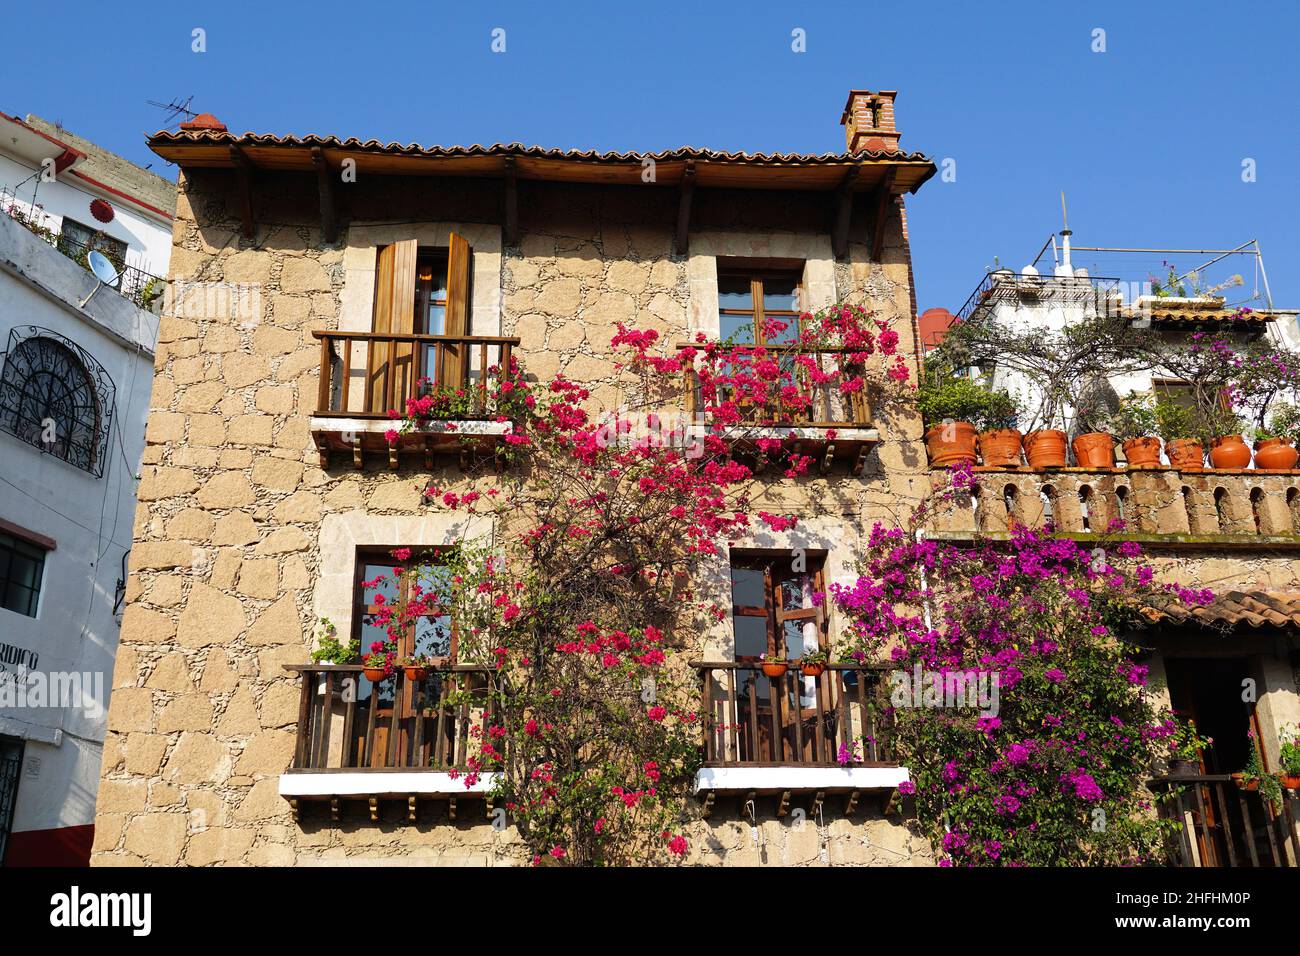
column 204, row 121
column 868, row 121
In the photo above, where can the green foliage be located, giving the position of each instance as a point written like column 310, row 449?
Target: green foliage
column 1175, row 421
column 329, row 649
column 1186, row 743
column 1284, row 423
column 1270, row 788
column 1135, row 418
column 1289, row 751
column 943, row 397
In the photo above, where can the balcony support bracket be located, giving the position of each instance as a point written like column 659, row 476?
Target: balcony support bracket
column 783, row 807
column 451, row 808
column 818, row 800
column 334, row 809
column 297, row 813
column 851, row 803
column 374, row 809
column 708, row 804
column 410, row 808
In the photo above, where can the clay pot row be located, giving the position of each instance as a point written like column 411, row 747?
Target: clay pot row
column 1047, row 448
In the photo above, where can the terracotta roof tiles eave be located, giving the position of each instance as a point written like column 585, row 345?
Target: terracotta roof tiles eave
column 203, row 148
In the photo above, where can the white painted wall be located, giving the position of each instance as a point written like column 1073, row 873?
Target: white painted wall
column 90, row 519
column 148, row 238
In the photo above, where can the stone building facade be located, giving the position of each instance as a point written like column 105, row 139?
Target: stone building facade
column 253, row 509
column 261, row 494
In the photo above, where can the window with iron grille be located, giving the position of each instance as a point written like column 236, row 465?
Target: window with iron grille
column 22, row 566
column 54, row 395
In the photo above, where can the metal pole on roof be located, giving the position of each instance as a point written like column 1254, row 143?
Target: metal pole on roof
column 1259, row 261
column 1225, row 255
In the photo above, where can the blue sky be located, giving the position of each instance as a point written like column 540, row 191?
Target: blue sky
column 1147, row 138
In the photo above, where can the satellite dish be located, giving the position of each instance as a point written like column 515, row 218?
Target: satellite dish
column 104, row 270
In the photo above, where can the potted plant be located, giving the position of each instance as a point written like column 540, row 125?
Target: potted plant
column 999, row 439
column 416, row 667
column 329, row 649
column 1227, row 449
column 1185, row 750
column 378, row 663
column 1177, row 425
column 1134, row 424
column 1275, row 445
column 1253, row 776
column 774, row 665
column 1289, row 758
column 813, row 663
column 1094, row 446
column 947, row 404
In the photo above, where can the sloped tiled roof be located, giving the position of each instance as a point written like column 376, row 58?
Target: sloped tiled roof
column 218, row 148
column 1233, row 608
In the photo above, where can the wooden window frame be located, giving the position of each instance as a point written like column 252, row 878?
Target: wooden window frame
column 773, row 608
column 382, row 555
column 437, row 257
column 757, row 275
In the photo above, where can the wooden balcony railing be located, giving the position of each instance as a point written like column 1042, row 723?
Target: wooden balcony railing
column 393, row 365
column 837, row 718
column 347, row 723
column 831, row 407
column 1224, row 825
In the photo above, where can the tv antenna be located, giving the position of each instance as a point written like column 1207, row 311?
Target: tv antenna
column 175, row 109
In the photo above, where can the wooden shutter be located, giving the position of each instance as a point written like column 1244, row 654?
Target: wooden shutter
column 453, row 369
column 391, row 368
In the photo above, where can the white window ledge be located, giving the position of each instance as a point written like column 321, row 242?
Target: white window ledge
column 780, row 779
column 373, row 426
column 381, row 783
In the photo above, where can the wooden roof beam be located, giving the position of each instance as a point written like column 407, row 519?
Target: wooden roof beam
column 329, row 223
column 511, row 203
column 684, row 199
column 884, row 197
column 244, row 179
column 843, row 214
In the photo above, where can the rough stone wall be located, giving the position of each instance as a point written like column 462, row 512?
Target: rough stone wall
column 225, row 573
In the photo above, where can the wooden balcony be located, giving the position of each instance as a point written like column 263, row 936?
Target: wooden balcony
column 1226, row 826
column 1161, row 508
column 823, row 734
column 366, row 375
column 395, row 740
column 838, row 426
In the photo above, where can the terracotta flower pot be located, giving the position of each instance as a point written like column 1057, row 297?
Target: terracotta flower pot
column 814, row 669
column 1275, row 453
column 1186, row 454
column 1243, row 784
column 416, row 673
column 375, row 674
column 951, row 443
column 1142, row 452
column 1289, row 781
column 774, row 668
column 1046, row 448
column 1094, row 450
column 1229, row 452
column 1000, row 447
